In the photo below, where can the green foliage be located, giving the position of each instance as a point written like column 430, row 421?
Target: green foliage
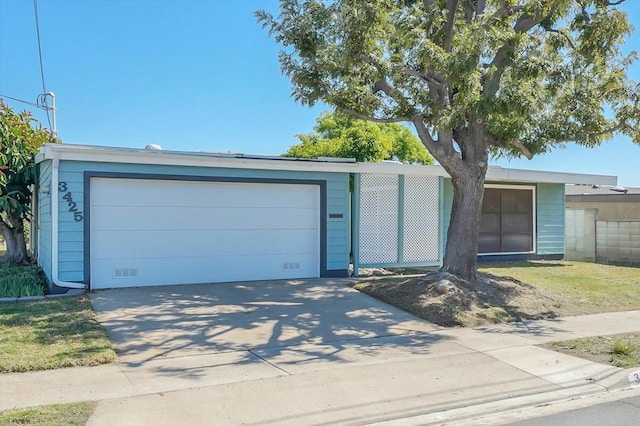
column 19, row 141
column 533, row 74
column 622, row 347
column 476, row 78
column 73, row 414
column 337, row 135
column 20, row 281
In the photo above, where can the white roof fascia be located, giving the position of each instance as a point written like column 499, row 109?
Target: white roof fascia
column 203, row 159
column 520, row 175
column 196, row 159
column 178, row 158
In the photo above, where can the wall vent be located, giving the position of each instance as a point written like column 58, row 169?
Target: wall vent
column 125, row 273
column 291, row 265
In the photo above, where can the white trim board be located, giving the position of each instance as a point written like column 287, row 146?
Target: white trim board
column 240, row 161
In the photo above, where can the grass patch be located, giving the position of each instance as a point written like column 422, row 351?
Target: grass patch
column 584, row 286
column 20, row 281
column 621, row 350
column 51, row 334
column 512, row 291
column 50, row 415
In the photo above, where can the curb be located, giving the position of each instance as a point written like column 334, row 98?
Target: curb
column 70, row 293
column 484, row 413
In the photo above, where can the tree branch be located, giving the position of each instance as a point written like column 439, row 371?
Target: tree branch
column 452, row 6
column 442, row 149
column 480, row 9
column 413, row 73
column 564, row 34
column 523, row 149
column 403, row 69
column 523, row 24
column 621, row 125
column 362, row 116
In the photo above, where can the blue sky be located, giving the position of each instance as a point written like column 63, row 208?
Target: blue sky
column 195, row 75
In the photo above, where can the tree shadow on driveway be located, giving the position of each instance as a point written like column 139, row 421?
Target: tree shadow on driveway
column 290, row 324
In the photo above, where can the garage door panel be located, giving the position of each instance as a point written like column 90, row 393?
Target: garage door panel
column 149, row 232
column 196, row 270
column 150, row 244
column 186, row 218
column 191, row 194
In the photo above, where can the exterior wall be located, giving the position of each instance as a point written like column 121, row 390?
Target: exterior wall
column 603, row 241
column 610, row 207
column 44, row 219
column 618, row 242
column 71, row 231
column 580, row 234
column 550, row 218
column 613, row 221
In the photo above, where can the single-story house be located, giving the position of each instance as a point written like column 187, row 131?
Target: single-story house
column 119, row 217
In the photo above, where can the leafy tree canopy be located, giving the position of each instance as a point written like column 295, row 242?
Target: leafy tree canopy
column 19, row 141
column 338, row 135
column 475, row 78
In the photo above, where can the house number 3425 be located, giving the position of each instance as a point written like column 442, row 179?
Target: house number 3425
column 73, row 207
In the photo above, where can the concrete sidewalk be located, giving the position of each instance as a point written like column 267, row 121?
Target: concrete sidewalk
column 459, row 373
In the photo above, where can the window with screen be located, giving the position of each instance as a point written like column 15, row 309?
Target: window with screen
column 506, row 225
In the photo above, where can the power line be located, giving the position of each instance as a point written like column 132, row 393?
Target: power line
column 42, row 98
column 21, row 100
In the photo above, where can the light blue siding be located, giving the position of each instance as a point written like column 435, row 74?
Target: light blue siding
column 44, row 219
column 550, row 218
column 72, row 236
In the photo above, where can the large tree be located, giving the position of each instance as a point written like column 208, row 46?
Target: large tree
column 20, row 138
column 475, row 77
column 339, row 135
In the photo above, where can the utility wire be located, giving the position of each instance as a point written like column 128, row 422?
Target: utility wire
column 21, row 100
column 42, row 99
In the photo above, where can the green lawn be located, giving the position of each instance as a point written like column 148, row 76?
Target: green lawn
column 589, row 287
column 51, row 334
column 51, row 415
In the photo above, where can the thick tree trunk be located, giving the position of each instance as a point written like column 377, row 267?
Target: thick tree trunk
column 461, row 252
column 468, row 172
column 16, row 243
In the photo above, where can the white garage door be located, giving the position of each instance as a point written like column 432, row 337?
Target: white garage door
column 157, row 232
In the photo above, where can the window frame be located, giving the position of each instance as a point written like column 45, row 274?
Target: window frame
column 531, row 188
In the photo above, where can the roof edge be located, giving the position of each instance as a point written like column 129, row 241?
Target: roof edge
column 94, row 153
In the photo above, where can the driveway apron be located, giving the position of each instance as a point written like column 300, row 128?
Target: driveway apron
column 294, row 322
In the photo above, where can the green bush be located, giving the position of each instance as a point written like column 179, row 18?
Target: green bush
column 20, row 281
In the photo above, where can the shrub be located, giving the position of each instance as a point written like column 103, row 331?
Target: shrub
column 21, row 281
column 622, row 347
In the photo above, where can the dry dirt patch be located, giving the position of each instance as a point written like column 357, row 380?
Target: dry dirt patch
column 551, row 289
column 619, row 350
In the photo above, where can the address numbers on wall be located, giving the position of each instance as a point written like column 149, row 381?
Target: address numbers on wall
column 68, row 197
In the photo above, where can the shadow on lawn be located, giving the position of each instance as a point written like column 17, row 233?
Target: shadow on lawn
column 521, row 264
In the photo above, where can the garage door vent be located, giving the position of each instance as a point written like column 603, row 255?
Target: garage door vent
column 291, row 265
column 125, row 273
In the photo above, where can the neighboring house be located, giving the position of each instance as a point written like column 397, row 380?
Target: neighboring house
column 603, row 224
column 120, row 217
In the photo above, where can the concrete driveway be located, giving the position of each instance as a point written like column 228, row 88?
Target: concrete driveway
column 292, row 323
